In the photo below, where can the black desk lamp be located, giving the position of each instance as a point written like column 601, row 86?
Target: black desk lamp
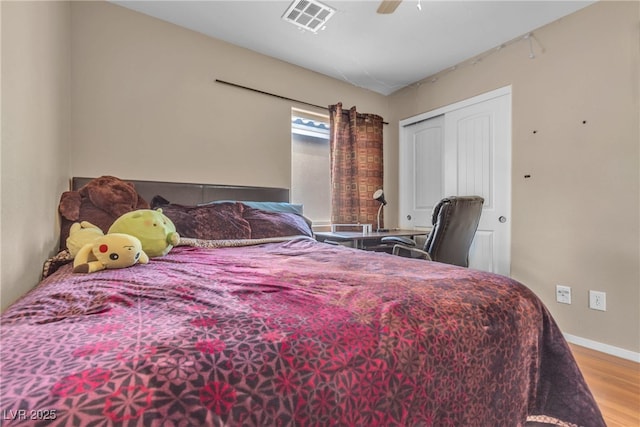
column 379, row 196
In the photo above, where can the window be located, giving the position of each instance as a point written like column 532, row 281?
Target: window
column 311, row 165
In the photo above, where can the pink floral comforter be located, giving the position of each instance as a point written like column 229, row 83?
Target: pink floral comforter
column 294, row 333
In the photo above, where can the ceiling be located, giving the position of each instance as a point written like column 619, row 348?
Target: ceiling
column 382, row 53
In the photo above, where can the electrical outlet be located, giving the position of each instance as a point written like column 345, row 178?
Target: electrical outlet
column 598, row 300
column 563, row 294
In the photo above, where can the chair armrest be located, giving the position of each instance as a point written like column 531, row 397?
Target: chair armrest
column 398, row 239
column 410, row 252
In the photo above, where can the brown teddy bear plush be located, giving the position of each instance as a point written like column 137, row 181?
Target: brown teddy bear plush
column 101, row 201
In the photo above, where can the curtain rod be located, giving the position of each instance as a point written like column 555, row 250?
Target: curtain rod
column 274, row 95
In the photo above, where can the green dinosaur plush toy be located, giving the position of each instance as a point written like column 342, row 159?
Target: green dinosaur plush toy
column 155, row 230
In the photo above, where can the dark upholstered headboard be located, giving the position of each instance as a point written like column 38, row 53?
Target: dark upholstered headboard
column 193, row 194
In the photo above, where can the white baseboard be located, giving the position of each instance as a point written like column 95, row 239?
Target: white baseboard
column 604, row 348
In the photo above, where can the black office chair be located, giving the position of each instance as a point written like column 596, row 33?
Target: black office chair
column 455, row 221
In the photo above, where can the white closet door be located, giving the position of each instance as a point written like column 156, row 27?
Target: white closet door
column 422, row 176
column 478, row 162
column 464, row 149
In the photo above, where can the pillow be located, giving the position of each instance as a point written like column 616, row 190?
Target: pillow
column 266, row 224
column 266, row 206
column 280, row 207
column 219, row 221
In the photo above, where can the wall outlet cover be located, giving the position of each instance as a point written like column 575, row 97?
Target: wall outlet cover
column 598, row 300
column 563, row 294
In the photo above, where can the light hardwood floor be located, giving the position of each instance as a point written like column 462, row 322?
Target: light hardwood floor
column 614, row 383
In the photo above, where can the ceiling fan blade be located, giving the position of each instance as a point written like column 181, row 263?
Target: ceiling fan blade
column 388, row 6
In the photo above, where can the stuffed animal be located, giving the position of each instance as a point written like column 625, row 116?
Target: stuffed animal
column 155, row 230
column 100, row 201
column 109, row 251
column 80, row 234
column 108, row 193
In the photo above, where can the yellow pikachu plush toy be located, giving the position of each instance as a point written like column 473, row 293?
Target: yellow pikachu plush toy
column 113, row 250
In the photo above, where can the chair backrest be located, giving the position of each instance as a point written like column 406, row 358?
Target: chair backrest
column 455, row 221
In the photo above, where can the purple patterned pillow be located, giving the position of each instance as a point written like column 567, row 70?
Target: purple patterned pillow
column 266, row 224
column 215, row 221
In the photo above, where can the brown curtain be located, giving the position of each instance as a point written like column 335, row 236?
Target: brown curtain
column 356, row 165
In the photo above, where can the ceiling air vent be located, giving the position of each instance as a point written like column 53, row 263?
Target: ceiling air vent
column 308, row 14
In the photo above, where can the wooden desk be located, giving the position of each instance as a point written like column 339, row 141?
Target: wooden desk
column 368, row 241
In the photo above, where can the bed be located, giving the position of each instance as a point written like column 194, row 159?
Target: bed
column 280, row 330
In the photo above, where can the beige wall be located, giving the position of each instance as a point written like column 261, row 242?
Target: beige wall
column 35, row 137
column 576, row 220
column 145, row 104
